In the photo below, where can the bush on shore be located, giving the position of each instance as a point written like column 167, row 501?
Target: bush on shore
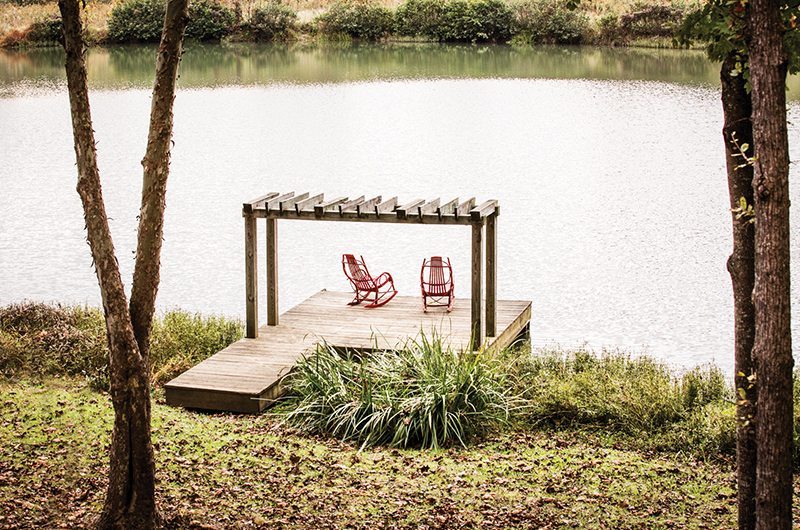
column 548, row 22
column 52, row 340
column 455, row 20
column 357, row 19
column 271, row 21
column 143, row 21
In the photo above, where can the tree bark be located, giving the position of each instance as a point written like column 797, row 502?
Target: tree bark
column 737, row 133
column 130, row 502
column 146, row 274
column 773, row 342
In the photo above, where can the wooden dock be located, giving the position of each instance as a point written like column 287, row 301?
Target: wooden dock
column 246, row 376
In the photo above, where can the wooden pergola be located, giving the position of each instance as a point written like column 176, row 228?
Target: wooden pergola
column 275, row 206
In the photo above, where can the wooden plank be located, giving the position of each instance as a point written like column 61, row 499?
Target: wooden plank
column 320, row 209
column 367, row 207
column 275, row 201
column 351, row 205
column 448, row 208
column 491, row 275
column 386, row 206
column 287, row 205
column 476, row 329
column 311, row 201
column 272, row 272
column 465, row 207
column 251, row 276
column 428, row 207
column 352, row 216
column 485, row 209
column 402, row 211
column 255, row 203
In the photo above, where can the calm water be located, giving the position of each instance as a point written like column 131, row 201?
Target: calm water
column 607, row 163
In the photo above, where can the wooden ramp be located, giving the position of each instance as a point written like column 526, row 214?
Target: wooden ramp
column 245, row 376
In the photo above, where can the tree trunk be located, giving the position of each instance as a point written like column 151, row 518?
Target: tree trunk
column 156, row 170
column 130, row 502
column 737, row 133
column 773, row 343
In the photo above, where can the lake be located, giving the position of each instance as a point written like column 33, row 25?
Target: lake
column 608, row 165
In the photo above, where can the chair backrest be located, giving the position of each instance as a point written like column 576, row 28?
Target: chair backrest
column 356, row 271
column 440, row 274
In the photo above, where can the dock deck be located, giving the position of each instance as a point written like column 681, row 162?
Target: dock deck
column 246, row 376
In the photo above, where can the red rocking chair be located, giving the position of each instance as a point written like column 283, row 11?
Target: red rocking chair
column 378, row 291
column 436, row 280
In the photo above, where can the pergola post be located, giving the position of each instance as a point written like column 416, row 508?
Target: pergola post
column 477, row 283
column 251, row 274
column 272, row 272
column 491, row 274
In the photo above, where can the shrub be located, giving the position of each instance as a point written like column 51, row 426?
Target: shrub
column 46, row 31
column 143, row 20
column 209, row 20
column 136, row 21
column 272, row 21
column 423, row 395
column 455, row 20
column 420, row 18
column 646, row 20
column 359, row 19
column 548, row 22
column 39, row 339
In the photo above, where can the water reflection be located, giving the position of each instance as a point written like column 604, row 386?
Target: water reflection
column 252, row 64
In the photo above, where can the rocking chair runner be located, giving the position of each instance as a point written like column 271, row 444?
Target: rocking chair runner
column 436, row 281
column 378, row 291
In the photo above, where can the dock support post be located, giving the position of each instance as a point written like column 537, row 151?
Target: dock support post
column 272, row 272
column 491, row 275
column 477, row 284
column 251, row 274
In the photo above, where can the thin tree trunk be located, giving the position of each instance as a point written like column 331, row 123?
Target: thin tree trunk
column 156, row 170
column 130, row 502
column 737, row 133
column 773, row 343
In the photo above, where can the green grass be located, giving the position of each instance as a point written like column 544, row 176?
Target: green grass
column 245, row 471
column 422, row 395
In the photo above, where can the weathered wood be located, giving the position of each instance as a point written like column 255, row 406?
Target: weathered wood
column 251, row 276
column 485, row 209
column 477, row 284
column 448, row 208
column 287, row 205
column 367, row 207
column 371, row 216
column 386, row 206
column 272, row 272
column 464, row 208
column 320, row 209
column 273, row 203
column 250, row 205
column 428, row 207
column 311, row 201
column 350, row 206
column 250, row 370
column 491, row 275
column 402, row 211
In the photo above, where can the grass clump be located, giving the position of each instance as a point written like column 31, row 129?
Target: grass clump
column 53, row 340
column 357, row 19
column 423, row 395
column 209, row 20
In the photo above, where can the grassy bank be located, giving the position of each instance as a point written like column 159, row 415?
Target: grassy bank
column 522, row 22
column 523, row 439
column 224, row 471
